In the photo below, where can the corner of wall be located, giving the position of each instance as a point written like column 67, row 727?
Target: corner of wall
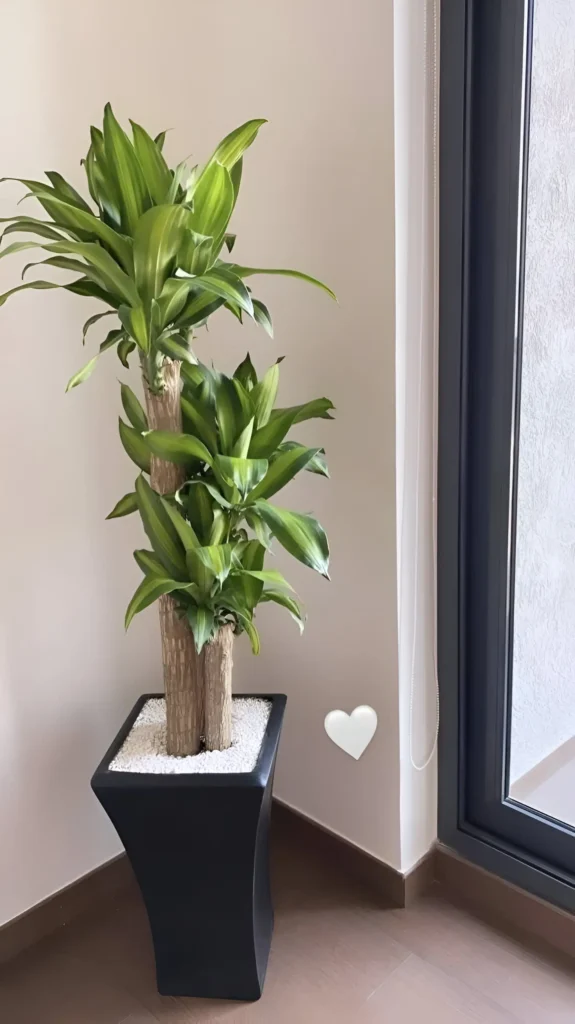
column 416, row 34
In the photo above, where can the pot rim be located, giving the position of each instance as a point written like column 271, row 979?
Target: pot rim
column 103, row 776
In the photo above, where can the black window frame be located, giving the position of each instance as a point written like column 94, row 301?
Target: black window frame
column 484, row 108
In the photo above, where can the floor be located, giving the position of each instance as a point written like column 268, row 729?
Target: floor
column 337, row 957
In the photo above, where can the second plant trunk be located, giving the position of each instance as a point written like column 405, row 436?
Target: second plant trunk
column 198, row 688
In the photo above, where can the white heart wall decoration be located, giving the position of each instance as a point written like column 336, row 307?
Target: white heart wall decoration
column 353, row 733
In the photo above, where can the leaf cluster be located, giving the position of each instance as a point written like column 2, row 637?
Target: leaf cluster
column 149, row 245
column 210, row 539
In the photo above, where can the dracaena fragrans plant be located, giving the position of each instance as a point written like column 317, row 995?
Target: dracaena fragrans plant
column 212, row 450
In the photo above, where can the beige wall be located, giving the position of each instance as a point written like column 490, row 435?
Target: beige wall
column 318, row 194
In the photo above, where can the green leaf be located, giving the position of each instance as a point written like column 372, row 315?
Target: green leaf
column 232, row 148
column 149, row 562
column 268, row 576
column 200, row 511
column 212, row 490
column 244, row 474
column 266, row 440
column 229, row 239
column 264, row 394
column 93, row 320
column 213, row 201
column 301, row 535
column 195, row 254
column 135, row 323
column 172, row 344
column 82, row 374
column 125, row 506
column 154, row 168
column 31, row 226
column 262, row 317
column 25, row 287
column 218, row 558
column 67, row 191
column 126, row 171
column 199, row 417
column 160, row 139
column 202, row 622
column 108, row 272
column 286, row 601
column 101, row 181
column 150, row 589
column 178, row 448
column 125, row 347
column 193, row 376
column 85, row 287
column 242, row 444
column 160, row 530
column 233, row 411
column 19, row 247
column 185, row 532
column 70, row 218
column 248, row 271
column 226, row 285
column 157, row 240
column 133, row 408
column 200, row 306
column 236, row 176
column 282, row 470
column 260, row 529
column 179, row 181
column 219, row 527
column 250, row 587
column 135, row 446
column 316, row 465
column 246, row 373
column 318, row 408
column 112, row 338
column 252, row 634
column 210, row 563
column 172, row 299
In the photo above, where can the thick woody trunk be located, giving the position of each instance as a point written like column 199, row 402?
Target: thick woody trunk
column 183, row 675
column 218, row 689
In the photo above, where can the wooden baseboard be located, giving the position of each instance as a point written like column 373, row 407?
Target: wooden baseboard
column 386, row 882
column 500, row 903
column 104, row 883
column 488, row 896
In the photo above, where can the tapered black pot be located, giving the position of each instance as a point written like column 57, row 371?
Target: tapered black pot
column 199, row 847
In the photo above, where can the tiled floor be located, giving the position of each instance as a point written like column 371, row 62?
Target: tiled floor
column 337, row 957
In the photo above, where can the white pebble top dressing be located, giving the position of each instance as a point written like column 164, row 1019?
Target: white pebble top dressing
column 144, row 749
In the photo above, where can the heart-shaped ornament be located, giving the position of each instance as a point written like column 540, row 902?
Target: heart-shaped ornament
column 353, row 733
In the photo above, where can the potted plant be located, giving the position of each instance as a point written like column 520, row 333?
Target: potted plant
column 192, row 803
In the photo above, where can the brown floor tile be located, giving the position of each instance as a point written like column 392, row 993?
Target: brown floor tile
column 338, row 957
column 418, row 993
column 538, row 990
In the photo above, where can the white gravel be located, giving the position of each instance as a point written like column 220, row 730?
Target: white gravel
column 144, row 749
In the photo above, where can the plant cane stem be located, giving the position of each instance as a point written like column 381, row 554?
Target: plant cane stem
column 183, row 667
column 218, row 689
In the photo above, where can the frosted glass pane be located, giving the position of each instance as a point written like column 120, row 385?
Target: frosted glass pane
column 542, row 762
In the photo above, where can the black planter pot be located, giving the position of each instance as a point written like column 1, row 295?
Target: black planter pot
column 199, row 847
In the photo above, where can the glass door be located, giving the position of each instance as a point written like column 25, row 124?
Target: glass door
column 542, row 748
column 506, row 518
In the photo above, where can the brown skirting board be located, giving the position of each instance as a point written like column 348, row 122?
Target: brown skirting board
column 64, row 906
column 490, row 897
column 500, row 903
column 386, row 882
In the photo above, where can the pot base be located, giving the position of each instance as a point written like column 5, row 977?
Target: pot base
column 199, row 847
